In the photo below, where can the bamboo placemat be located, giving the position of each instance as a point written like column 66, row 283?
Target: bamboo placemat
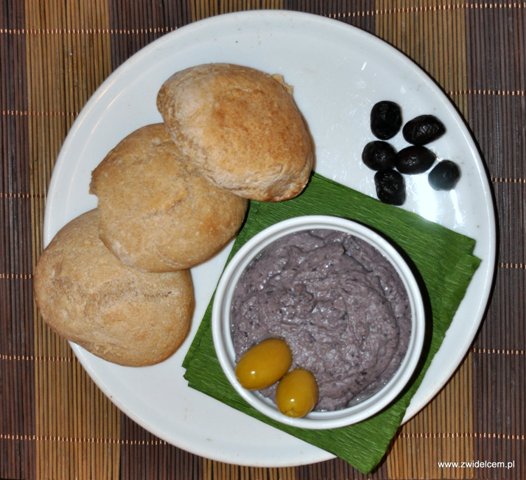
column 56, row 424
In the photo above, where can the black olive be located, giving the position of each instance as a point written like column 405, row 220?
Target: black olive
column 386, row 119
column 390, row 186
column 423, row 129
column 444, row 176
column 414, row 159
column 379, row 155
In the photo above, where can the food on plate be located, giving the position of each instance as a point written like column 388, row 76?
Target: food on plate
column 263, row 364
column 170, row 196
column 297, row 393
column 267, row 363
column 379, row 155
column 157, row 213
column 118, row 313
column 241, row 128
column 444, row 175
column 414, row 159
column 423, row 129
column 386, row 119
column 390, row 186
column 338, row 303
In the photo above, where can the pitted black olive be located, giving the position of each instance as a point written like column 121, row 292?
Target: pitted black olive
column 390, row 186
column 414, row 159
column 379, row 155
column 386, row 119
column 423, row 129
column 444, row 176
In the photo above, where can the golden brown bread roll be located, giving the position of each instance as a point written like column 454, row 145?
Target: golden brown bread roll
column 156, row 213
column 116, row 312
column 241, row 127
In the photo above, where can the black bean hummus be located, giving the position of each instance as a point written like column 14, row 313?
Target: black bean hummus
column 337, row 302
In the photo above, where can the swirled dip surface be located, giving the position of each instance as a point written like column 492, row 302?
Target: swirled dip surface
column 338, row 303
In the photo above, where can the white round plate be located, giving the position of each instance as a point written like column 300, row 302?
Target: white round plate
column 338, row 72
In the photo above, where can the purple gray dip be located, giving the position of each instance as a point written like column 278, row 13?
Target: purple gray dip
column 338, row 303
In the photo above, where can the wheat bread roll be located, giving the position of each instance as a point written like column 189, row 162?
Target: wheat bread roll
column 241, row 127
column 116, row 312
column 157, row 213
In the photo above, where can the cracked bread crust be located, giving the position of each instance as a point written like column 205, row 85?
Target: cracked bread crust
column 118, row 313
column 241, row 127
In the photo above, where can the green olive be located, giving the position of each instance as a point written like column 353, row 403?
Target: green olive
column 264, row 364
column 297, row 393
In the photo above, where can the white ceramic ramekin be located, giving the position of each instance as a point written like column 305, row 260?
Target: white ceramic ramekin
column 221, row 329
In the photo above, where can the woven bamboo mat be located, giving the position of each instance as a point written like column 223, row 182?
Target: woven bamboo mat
column 56, row 424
